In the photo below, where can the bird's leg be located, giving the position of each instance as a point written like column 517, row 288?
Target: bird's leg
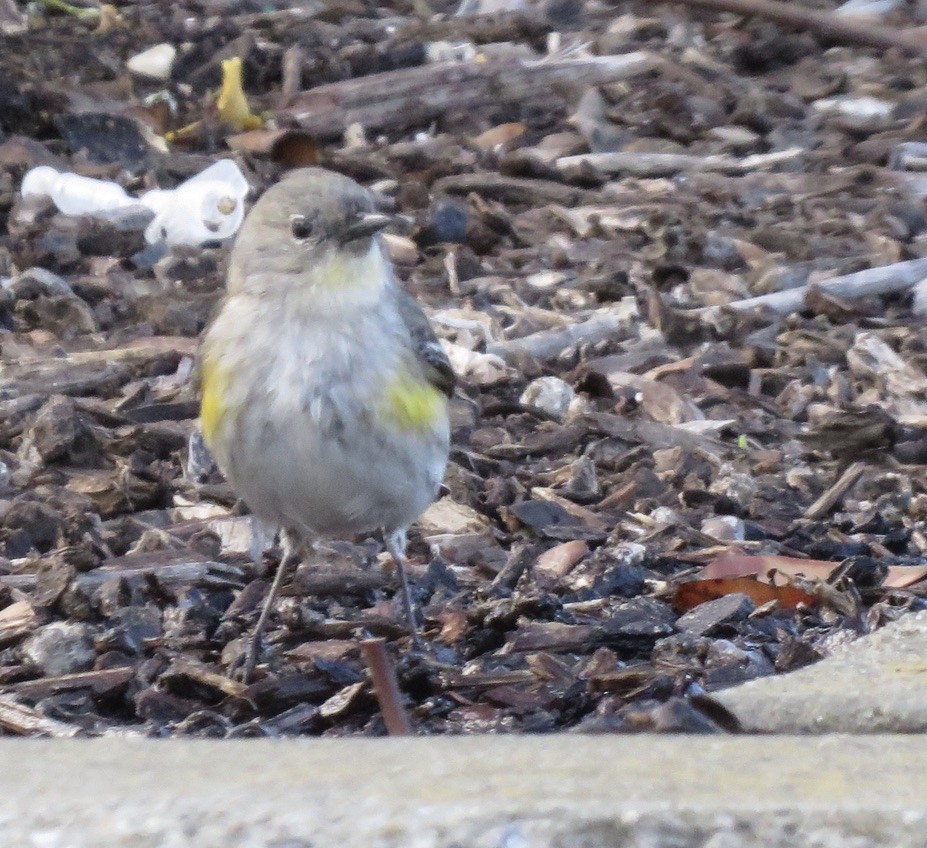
column 396, row 545
column 290, row 544
column 263, row 536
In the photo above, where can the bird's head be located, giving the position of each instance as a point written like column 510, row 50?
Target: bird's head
column 315, row 226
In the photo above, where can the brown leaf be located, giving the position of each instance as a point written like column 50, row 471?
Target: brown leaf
column 765, row 568
column 689, row 595
column 901, row 576
column 500, row 136
column 453, row 622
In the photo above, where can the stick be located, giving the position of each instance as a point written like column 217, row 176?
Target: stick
column 512, row 189
column 882, row 280
column 25, row 721
column 824, row 24
column 666, row 164
column 826, row 503
column 415, row 96
column 386, row 687
column 291, row 71
column 548, row 344
column 520, row 557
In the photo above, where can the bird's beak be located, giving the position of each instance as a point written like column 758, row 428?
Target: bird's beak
column 364, row 226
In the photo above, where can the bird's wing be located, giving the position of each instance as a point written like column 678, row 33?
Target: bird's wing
column 434, row 361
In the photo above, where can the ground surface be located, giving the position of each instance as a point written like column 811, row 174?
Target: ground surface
column 491, row 793
column 549, row 576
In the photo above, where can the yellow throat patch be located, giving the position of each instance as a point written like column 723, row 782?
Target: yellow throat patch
column 413, row 404
column 213, row 405
column 343, row 270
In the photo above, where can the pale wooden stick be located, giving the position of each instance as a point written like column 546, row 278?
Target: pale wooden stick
column 644, row 164
column 415, row 96
column 825, row 24
column 882, row 280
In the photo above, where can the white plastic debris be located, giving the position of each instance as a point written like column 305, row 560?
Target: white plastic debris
column 74, row 194
column 208, row 207
column 155, row 62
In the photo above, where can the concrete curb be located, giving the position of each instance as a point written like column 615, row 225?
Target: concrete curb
column 485, row 792
column 876, row 684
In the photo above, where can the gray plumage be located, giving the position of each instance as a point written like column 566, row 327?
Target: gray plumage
column 325, row 388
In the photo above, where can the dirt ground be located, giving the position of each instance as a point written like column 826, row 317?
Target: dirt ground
column 652, row 494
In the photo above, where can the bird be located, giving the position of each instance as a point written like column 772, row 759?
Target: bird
column 324, row 390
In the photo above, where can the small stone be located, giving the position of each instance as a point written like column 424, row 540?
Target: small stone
column 61, row 648
column 64, row 317
column 709, row 617
column 447, row 223
column 155, row 62
column 549, row 394
column 919, row 306
column 725, row 528
column 735, row 137
column 861, row 113
column 641, row 617
column 448, row 516
column 583, row 485
column 31, row 525
column 58, row 434
column 105, row 138
column 187, row 267
column 626, row 581
column 557, row 562
column 119, row 232
column 39, row 282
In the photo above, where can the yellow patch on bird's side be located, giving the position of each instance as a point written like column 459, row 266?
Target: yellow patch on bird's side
column 413, row 404
column 213, row 406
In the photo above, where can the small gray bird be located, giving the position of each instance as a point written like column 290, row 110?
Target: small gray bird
column 324, row 390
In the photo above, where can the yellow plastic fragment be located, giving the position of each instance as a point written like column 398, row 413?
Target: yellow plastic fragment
column 231, row 103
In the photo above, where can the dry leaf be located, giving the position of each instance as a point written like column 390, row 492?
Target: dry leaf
column 902, row 576
column 453, row 621
column 290, row 148
column 500, row 136
column 689, row 595
column 766, row 567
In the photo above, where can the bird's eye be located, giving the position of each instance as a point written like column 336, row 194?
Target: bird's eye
column 300, row 226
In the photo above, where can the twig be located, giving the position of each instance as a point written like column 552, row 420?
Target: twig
column 25, row 721
column 825, row 24
column 643, row 164
column 292, row 73
column 99, row 681
column 386, row 687
column 415, row 96
column 826, row 503
column 882, row 280
column 520, row 557
column 512, row 189
column 548, row 344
